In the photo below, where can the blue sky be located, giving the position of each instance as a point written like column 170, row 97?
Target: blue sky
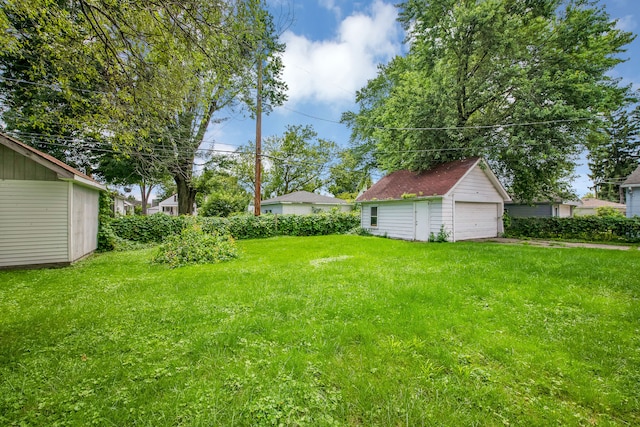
column 334, row 48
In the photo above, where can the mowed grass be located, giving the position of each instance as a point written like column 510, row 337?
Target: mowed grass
column 334, row 330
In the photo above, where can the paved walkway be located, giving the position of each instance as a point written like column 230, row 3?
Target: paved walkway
column 554, row 244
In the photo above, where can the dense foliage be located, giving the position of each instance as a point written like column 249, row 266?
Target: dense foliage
column 106, row 236
column 84, row 79
column 518, row 82
column 195, row 246
column 298, row 160
column 592, row 228
column 614, row 150
column 157, row 227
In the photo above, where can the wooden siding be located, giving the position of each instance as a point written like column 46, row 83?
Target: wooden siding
column 15, row 166
column 476, row 187
column 33, row 222
column 84, row 222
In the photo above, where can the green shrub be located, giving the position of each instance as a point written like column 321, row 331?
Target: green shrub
column 442, row 236
column 106, row 237
column 592, row 228
column 157, row 227
column 609, row 211
column 194, row 246
column 106, row 234
column 152, row 228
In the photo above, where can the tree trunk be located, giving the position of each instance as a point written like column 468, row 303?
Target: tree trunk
column 186, row 195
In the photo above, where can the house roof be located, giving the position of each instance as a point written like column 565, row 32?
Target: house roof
column 632, row 180
column 63, row 170
column 597, row 203
column 304, row 197
column 435, row 182
column 551, row 201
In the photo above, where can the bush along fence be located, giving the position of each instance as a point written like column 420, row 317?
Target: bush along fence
column 592, row 228
column 157, row 227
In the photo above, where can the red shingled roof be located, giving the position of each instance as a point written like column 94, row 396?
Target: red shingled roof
column 434, row 182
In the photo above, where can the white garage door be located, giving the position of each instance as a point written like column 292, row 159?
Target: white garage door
column 476, row 220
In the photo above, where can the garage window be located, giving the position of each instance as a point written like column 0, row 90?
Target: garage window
column 374, row 216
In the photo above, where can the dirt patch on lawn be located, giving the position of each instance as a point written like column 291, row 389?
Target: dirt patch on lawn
column 554, row 244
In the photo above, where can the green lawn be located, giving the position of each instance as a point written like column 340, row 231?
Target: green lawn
column 334, row 330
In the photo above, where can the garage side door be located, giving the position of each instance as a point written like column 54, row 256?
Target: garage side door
column 475, row 220
column 33, row 222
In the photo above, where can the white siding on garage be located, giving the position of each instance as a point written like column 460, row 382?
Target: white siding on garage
column 476, row 187
column 84, row 223
column 476, row 220
column 33, row 222
column 394, row 220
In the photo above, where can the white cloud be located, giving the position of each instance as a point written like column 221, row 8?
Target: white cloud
column 331, row 6
column 627, row 23
column 330, row 71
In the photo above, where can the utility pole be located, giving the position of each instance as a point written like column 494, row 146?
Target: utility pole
column 256, row 202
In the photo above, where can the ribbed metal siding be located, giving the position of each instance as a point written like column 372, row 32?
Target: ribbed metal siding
column 33, row 222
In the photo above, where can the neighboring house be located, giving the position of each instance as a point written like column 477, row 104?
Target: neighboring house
column 463, row 198
column 589, row 205
column 49, row 210
column 168, row 206
column 541, row 209
column 632, row 192
column 122, row 206
column 302, row 203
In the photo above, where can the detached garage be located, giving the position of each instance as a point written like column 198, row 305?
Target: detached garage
column 48, row 210
column 463, row 198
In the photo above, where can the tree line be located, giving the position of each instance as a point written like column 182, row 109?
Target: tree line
column 127, row 90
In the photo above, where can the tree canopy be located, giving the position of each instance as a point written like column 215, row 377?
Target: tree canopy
column 614, row 152
column 132, row 76
column 516, row 81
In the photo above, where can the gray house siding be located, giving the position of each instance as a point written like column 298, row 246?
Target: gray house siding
column 633, row 201
column 525, row 211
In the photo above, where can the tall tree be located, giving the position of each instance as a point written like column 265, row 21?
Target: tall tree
column 136, row 168
column 348, row 176
column 297, row 160
column 614, row 152
column 515, row 81
column 150, row 75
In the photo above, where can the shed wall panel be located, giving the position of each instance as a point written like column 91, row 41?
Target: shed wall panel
column 394, row 219
column 15, row 166
column 84, row 222
column 33, row 222
column 476, row 187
